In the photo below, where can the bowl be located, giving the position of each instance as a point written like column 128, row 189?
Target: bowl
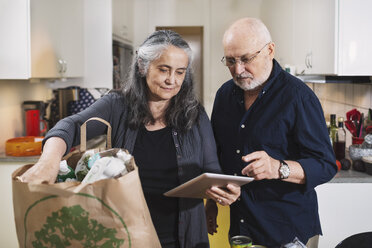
column 24, row 146
column 357, row 152
column 368, row 164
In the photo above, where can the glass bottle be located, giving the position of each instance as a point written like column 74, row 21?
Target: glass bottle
column 339, row 145
column 333, row 130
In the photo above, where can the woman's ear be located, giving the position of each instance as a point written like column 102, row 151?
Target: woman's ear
column 141, row 67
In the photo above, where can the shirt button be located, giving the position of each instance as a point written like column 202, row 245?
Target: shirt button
column 237, row 151
column 235, row 174
column 174, row 133
column 239, row 199
column 242, row 126
column 241, row 220
column 176, row 145
column 263, row 92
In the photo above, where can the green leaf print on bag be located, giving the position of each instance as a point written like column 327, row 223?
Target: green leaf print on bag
column 73, row 223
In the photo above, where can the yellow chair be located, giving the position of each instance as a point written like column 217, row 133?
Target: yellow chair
column 220, row 239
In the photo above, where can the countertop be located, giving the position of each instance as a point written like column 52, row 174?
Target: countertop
column 99, row 141
column 343, row 176
column 351, row 176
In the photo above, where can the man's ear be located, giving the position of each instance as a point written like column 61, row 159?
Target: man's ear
column 271, row 49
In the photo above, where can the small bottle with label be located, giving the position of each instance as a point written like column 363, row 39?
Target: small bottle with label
column 339, row 145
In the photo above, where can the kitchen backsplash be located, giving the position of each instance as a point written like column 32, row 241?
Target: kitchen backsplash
column 340, row 98
column 12, row 94
column 335, row 99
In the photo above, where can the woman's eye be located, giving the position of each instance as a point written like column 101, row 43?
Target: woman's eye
column 180, row 72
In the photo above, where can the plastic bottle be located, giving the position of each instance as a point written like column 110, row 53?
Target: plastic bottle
column 65, row 172
column 339, row 145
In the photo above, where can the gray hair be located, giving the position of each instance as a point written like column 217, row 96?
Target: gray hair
column 155, row 44
column 184, row 108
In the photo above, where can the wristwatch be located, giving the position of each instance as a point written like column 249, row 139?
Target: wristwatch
column 284, row 170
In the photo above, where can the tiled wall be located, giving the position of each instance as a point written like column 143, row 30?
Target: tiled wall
column 340, row 98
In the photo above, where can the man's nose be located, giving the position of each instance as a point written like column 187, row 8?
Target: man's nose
column 239, row 67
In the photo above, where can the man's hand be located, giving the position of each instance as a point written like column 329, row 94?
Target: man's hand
column 261, row 166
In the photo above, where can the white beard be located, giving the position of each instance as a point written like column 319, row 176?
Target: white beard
column 250, row 86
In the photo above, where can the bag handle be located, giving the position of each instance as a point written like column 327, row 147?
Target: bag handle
column 66, row 191
column 83, row 133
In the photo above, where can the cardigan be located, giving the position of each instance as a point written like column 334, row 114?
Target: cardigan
column 195, row 151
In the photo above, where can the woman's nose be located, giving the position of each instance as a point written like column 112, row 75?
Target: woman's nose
column 171, row 79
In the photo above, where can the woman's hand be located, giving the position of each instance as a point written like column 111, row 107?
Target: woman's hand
column 224, row 196
column 46, row 169
column 211, row 212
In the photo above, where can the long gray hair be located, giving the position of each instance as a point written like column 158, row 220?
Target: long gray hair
column 183, row 109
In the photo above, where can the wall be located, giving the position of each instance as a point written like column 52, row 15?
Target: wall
column 340, row 98
column 12, row 94
column 214, row 15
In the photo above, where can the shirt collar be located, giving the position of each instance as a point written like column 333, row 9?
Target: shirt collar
column 269, row 82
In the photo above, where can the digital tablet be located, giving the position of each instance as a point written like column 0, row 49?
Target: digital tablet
column 196, row 187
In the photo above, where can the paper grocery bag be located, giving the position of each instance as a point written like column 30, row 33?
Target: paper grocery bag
column 107, row 213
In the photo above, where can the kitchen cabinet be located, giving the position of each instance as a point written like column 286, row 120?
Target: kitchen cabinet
column 43, row 39
column 122, row 20
column 330, row 37
column 8, row 234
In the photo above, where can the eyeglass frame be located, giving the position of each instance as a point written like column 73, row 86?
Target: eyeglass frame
column 249, row 59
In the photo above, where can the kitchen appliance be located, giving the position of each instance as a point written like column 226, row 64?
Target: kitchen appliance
column 34, row 118
column 122, row 59
column 65, row 96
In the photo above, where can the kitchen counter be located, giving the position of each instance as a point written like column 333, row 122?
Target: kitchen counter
column 351, row 176
column 99, row 141
column 25, row 160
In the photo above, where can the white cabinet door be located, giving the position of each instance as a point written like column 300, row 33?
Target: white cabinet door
column 41, row 39
column 122, row 20
column 324, row 31
column 332, row 37
column 14, row 33
column 315, row 36
column 57, row 37
column 355, row 37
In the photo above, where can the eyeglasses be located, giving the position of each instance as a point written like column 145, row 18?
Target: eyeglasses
column 244, row 60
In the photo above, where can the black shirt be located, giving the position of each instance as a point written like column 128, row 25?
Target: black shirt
column 155, row 156
column 287, row 122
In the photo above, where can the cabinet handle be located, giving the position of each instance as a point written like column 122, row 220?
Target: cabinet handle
column 64, row 66
column 61, row 66
column 308, row 59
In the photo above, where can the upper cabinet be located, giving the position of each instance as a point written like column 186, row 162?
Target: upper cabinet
column 43, row 39
column 122, row 20
column 331, row 37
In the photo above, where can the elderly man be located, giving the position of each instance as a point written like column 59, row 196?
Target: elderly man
column 269, row 125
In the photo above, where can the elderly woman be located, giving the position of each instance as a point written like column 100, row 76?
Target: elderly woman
column 158, row 119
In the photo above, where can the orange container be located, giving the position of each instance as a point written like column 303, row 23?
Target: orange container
column 24, row 146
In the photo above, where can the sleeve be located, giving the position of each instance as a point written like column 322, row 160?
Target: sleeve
column 210, row 160
column 316, row 153
column 69, row 128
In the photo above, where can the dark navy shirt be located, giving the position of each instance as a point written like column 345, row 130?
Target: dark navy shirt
column 287, row 122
